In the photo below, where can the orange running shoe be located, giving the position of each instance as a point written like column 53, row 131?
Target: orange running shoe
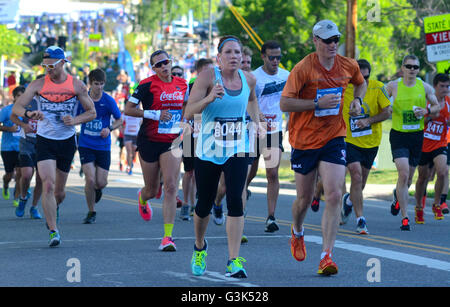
column 437, row 212
column 444, row 208
column 327, row 266
column 419, row 216
column 298, row 249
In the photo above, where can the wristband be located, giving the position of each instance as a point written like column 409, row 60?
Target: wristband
column 152, row 114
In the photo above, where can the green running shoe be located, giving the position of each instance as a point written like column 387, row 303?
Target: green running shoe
column 235, row 268
column 198, row 261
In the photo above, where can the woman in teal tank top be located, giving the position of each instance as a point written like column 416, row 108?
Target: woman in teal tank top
column 221, row 96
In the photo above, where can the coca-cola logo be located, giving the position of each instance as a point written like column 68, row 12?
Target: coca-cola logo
column 171, row 96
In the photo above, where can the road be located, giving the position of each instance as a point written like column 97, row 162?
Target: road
column 121, row 249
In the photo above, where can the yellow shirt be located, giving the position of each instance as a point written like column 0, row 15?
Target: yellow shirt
column 374, row 101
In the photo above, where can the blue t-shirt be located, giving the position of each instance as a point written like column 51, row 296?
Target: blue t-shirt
column 90, row 132
column 10, row 140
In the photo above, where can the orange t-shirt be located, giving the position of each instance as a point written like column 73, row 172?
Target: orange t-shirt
column 435, row 132
column 306, row 130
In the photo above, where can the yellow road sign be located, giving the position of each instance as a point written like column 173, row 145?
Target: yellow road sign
column 437, row 23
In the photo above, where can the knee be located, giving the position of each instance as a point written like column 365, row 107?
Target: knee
column 102, row 183
column 272, row 175
column 170, row 188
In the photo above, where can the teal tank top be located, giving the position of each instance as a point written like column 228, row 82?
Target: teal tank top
column 223, row 132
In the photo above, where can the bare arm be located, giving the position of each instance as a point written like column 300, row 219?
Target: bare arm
column 19, row 106
column 89, row 113
column 383, row 115
column 252, row 106
column 203, row 93
column 435, row 107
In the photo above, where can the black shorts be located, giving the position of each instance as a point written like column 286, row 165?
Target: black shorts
column 269, row 141
column 62, row 151
column 428, row 157
column 101, row 158
column 406, row 145
column 365, row 156
column 150, row 151
column 27, row 160
column 304, row 161
column 121, row 143
column 10, row 160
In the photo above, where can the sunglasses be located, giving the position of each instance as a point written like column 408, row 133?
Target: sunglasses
column 366, row 77
column 161, row 63
column 51, row 66
column 274, row 57
column 409, row 66
column 334, row 39
column 177, row 74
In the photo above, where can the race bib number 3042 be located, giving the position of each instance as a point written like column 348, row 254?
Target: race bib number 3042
column 171, row 126
column 319, row 112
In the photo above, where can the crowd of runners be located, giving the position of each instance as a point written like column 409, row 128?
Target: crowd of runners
column 218, row 125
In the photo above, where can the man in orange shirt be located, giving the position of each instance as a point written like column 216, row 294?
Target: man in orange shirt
column 434, row 152
column 314, row 96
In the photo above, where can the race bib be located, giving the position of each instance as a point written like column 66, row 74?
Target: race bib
column 434, row 131
column 319, row 112
column 410, row 121
column 17, row 132
column 272, row 124
column 171, row 126
column 93, row 128
column 228, row 131
column 355, row 130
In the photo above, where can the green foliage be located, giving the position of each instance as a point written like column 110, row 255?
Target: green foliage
column 12, row 44
column 383, row 42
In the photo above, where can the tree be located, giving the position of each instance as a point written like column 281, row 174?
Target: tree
column 12, row 44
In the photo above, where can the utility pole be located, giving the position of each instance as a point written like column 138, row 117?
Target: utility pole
column 352, row 15
column 208, row 51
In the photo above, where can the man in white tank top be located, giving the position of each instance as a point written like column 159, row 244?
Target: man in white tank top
column 59, row 95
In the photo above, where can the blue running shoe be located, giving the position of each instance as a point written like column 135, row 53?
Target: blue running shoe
column 20, row 210
column 235, row 268
column 34, row 213
column 198, row 261
column 219, row 217
column 55, row 239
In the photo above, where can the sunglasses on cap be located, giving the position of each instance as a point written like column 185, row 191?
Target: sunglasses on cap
column 274, row 57
column 161, row 63
column 334, row 39
column 409, row 66
column 177, row 74
column 51, row 66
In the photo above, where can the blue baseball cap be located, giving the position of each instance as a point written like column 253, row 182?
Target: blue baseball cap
column 55, row 52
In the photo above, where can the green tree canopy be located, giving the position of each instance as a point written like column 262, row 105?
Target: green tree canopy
column 12, row 44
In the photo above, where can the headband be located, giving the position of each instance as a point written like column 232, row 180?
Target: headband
column 227, row 40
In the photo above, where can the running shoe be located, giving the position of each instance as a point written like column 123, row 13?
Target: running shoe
column 315, row 204
column 198, row 261
column 20, row 210
column 327, row 266
column 55, row 239
column 244, row 239
column 120, row 166
column 249, row 193
column 98, row 195
column 179, row 202
column 298, row 248
column 184, row 213
column 444, row 208
column 437, row 212
column 158, row 195
column 34, row 213
column 16, row 203
column 90, row 218
column 271, row 225
column 419, row 216
column 130, row 171
column 5, row 193
column 361, row 227
column 405, row 224
column 346, row 209
column 167, row 245
column 218, row 216
column 145, row 210
column 395, row 206
column 235, row 268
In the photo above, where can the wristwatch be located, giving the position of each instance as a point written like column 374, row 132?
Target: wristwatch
column 25, row 114
column 316, row 103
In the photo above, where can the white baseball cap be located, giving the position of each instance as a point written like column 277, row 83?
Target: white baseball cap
column 326, row 29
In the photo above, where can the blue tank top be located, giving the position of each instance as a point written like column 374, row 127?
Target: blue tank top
column 223, row 131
